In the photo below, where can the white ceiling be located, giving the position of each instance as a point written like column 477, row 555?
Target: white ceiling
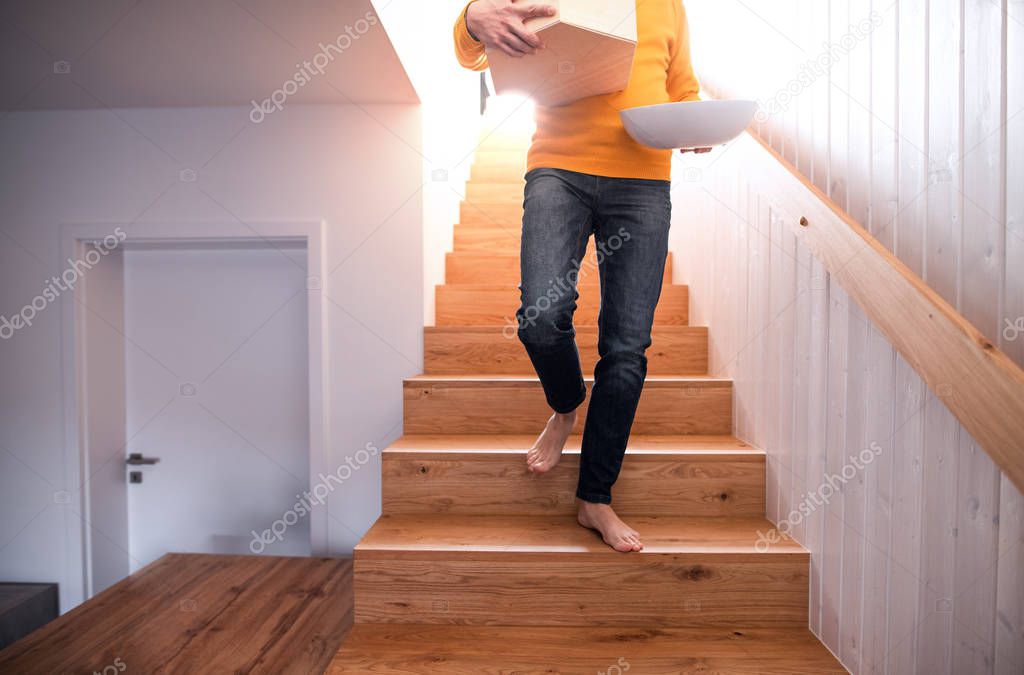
column 154, row 53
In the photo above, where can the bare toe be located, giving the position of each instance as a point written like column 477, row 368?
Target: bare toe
column 616, row 534
column 623, row 546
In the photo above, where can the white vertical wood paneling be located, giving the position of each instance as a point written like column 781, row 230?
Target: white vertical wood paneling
column 905, row 587
column 817, row 429
column 802, row 403
column 981, row 299
column 788, row 16
column 917, row 130
column 804, row 104
column 792, row 472
column 858, row 197
column 938, row 531
column 839, row 106
column 982, row 244
column 743, row 370
column 1010, row 338
column 854, row 527
column 906, row 574
column 758, row 304
column 775, row 405
column 878, row 502
column 724, row 312
column 772, row 409
column 884, row 112
column 975, row 569
column 912, row 74
column 1009, row 628
column 944, row 200
column 859, row 103
column 835, row 453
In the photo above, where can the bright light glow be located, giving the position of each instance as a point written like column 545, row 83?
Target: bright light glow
column 509, row 114
column 731, row 44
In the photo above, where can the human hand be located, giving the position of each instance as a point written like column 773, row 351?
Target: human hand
column 499, row 24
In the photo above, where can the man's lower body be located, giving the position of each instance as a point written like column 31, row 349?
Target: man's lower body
column 629, row 219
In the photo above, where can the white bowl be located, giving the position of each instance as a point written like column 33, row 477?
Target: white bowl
column 688, row 124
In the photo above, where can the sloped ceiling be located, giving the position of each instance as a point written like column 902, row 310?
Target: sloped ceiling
column 154, row 53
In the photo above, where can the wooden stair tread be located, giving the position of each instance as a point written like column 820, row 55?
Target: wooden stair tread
column 561, row 536
column 653, row 383
column 513, row 380
column 575, row 650
column 503, row 287
column 640, row 445
column 588, row 330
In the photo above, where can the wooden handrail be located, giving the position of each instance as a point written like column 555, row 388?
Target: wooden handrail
column 981, row 385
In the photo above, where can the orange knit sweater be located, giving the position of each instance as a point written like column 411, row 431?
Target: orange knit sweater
column 587, row 135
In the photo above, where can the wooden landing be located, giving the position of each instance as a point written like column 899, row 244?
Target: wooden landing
column 547, row 570
column 189, row 613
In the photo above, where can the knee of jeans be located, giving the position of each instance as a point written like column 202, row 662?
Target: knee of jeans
column 625, row 344
column 625, row 365
column 615, row 358
column 545, row 328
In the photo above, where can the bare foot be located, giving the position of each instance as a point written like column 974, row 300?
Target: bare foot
column 547, row 450
column 615, row 533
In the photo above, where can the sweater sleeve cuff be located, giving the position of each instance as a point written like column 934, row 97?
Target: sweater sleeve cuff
column 469, row 50
column 465, row 21
column 466, row 40
column 463, row 38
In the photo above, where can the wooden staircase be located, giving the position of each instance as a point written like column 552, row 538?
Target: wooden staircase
column 478, row 566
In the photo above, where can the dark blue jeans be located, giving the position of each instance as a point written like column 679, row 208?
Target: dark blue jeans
column 629, row 219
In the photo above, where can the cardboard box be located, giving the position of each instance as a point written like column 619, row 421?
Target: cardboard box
column 589, row 46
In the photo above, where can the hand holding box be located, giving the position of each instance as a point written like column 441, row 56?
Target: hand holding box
column 588, row 50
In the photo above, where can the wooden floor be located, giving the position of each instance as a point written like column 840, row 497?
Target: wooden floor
column 188, row 613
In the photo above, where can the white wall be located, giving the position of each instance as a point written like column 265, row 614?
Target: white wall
column 357, row 167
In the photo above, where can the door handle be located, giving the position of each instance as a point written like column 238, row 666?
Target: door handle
column 136, row 459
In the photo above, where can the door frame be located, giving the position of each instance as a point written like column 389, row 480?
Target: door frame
column 74, row 240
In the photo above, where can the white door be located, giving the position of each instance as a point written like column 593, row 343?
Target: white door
column 216, row 392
